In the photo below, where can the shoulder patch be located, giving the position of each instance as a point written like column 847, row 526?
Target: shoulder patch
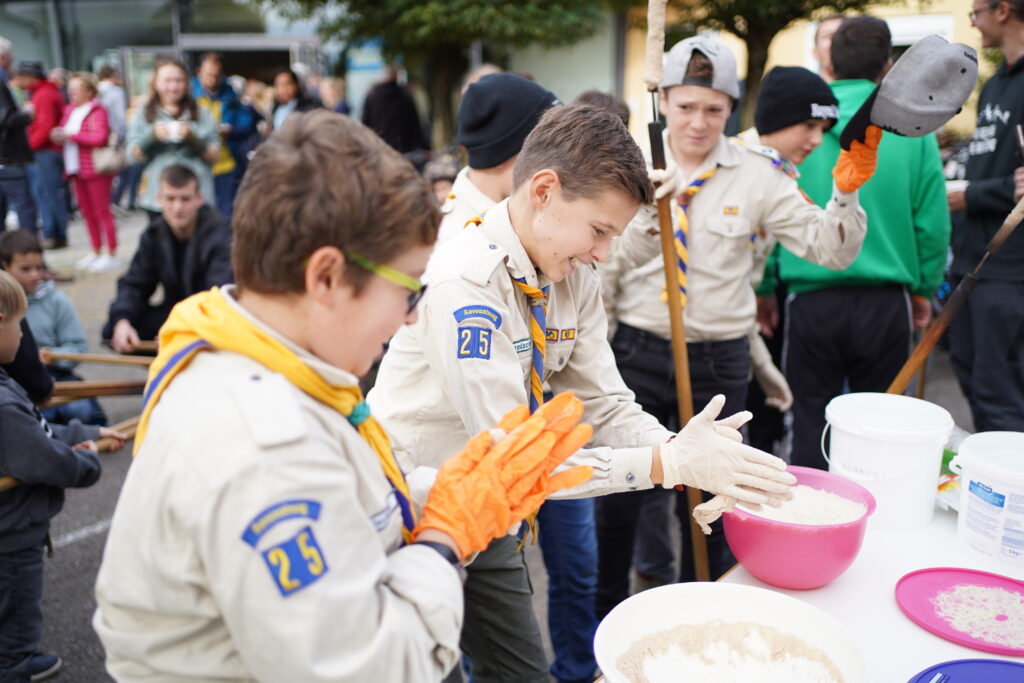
column 478, row 311
column 268, row 406
column 295, row 563
column 473, row 342
column 268, row 518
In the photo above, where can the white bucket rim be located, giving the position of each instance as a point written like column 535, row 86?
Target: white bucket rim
column 979, row 463
column 940, row 429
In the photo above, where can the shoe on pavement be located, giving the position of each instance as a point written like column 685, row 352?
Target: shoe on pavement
column 105, row 262
column 43, row 666
column 51, row 243
column 86, row 261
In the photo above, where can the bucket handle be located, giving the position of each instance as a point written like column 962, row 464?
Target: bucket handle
column 955, row 466
column 824, row 433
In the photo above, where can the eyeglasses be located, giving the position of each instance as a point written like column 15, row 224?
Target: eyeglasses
column 416, row 288
column 973, row 14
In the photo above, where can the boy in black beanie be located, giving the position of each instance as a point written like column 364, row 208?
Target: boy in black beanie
column 495, row 116
column 795, row 108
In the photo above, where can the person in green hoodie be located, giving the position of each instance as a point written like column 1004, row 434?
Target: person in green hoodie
column 854, row 326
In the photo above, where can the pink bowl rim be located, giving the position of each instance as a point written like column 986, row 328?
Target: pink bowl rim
column 797, row 470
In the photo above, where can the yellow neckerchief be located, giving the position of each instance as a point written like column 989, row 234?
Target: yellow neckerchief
column 208, row 320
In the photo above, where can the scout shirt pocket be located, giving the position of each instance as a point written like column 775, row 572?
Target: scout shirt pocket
column 728, row 240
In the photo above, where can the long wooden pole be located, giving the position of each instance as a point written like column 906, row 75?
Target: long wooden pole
column 98, row 387
column 128, row 427
column 110, row 358
column 954, row 304
column 652, row 76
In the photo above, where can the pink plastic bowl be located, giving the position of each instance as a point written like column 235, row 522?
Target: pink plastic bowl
column 799, row 556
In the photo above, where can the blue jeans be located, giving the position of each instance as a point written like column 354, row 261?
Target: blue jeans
column 15, row 192
column 653, row 555
column 225, row 186
column 569, row 544
column 46, row 176
column 21, row 611
column 128, row 179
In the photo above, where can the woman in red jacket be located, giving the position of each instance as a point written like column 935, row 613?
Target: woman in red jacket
column 84, row 128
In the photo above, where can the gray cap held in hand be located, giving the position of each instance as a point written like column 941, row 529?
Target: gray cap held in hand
column 926, row 87
column 722, row 62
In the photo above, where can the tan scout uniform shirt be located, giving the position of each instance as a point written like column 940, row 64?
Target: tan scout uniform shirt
column 467, row 360
column 256, row 537
column 745, row 197
column 464, row 202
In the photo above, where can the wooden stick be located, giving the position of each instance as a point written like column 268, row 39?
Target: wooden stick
column 954, row 304
column 103, row 445
column 148, row 345
column 102, row 358
column 99, row 387
column 655, row 48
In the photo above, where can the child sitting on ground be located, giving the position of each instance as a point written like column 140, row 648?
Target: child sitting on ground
column 53, row 322
column 43, row 461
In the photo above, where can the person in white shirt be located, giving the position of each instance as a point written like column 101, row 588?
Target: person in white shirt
column 514, row 303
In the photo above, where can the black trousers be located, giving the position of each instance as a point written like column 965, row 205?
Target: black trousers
column 986, row 340
column 854, row 336
column 646, row 364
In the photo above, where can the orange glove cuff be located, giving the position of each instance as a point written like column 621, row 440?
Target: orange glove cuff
column 856, row 165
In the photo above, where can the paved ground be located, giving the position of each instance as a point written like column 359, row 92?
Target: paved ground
column 80, row 531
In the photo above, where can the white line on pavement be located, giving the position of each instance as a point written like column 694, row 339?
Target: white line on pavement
column 79, row 534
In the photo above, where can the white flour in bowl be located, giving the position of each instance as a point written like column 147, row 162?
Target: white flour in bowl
column 812, row 506
column 726, row 652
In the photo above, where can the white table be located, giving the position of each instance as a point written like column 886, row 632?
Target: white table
column 863, row 599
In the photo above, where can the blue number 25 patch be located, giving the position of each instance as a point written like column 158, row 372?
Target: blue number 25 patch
column 474, row 342
column 296, row 563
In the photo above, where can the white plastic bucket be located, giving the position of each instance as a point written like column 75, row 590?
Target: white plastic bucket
column 892, row 446
column 990, row 526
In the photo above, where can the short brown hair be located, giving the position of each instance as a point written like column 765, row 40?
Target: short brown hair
column 590, row 150
column 179, row 176
column 323, row 179
column 12, row 296
column 14, row 242
column 602, row 100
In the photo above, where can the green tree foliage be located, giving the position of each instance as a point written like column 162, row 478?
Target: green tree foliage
column 437, row 34
column 757, row 22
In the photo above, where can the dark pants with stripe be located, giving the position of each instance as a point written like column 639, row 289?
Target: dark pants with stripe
column 844, row 336
column 646, row 364
column 986, row 341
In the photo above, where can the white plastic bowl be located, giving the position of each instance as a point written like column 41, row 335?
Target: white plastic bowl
column 663, row 608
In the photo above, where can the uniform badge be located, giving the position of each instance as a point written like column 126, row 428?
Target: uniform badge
column 551, row 334
column 569, row 334
column 731, row 210
column 473, row 342
column 478, row 311
column 297, row 562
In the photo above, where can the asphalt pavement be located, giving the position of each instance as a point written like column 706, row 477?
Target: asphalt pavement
column 80, row 531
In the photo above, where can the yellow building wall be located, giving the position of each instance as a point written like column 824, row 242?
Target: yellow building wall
column 792, row 47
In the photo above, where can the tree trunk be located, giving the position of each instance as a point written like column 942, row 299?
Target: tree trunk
column 757, row 57
column 446, row 65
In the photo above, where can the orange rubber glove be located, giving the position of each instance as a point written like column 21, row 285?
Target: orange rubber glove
column 489, row 485
column 856, row 165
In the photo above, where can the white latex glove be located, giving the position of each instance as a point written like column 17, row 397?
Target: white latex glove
column 668, row 182
column 703, row 457
column 772, row 382
column 775, row 387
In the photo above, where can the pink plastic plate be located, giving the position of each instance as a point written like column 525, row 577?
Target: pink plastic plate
column 916, row 591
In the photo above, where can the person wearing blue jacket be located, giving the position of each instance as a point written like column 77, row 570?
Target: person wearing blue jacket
column 43, row 460
column 235, row 124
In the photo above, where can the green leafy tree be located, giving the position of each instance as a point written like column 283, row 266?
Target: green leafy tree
column 435, row 35
column 757, row 22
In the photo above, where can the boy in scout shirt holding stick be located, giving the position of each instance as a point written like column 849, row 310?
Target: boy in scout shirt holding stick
column 727, row 197
column 515, row 303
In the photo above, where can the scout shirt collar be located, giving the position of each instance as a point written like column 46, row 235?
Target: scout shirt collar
column 464, row 193
column 330, row 374
column 497, row 227
column 725, row 153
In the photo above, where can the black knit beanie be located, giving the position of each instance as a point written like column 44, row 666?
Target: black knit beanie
column 790, row 95
column 496, row 114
